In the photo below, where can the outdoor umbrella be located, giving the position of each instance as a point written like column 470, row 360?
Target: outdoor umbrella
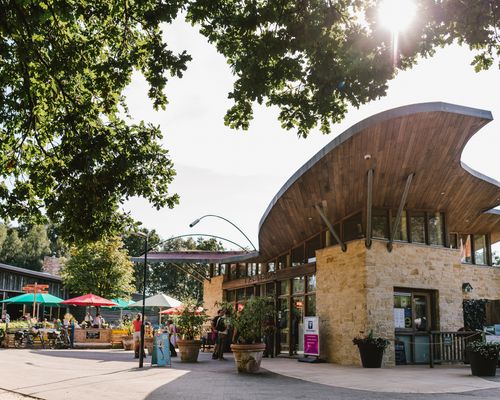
column 28, row 298
column 159, row 300
column 90, row 300
column 179, row 309
column 122, row 304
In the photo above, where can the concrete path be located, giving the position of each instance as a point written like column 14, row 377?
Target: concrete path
column 402, row 379
column 113, row 374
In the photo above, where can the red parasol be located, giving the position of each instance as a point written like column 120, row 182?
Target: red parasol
column 89, row 300
column 179, row 309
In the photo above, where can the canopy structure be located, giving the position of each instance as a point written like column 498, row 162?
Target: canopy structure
column 90, row 300
column 29, row 298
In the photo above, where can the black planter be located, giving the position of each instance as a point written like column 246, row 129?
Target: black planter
column 481, row 366
column 371, row 355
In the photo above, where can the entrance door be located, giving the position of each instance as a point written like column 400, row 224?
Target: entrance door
column 283, row 325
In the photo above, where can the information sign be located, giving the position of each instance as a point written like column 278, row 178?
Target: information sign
column 161, row 350
column 311, row 336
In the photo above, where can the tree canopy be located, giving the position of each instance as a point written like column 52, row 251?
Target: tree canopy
column 102, row 268
column 69, row 152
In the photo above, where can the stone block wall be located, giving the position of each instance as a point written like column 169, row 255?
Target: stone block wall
column 212, row 292
column 355, row 290
column 341, row 300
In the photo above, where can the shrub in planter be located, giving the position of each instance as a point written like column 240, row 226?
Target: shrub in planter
column 371, row 349
column 250, row 323
column 483, row 358
column 189, row 325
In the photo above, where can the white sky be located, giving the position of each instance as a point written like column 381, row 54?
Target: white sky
column 236, row 174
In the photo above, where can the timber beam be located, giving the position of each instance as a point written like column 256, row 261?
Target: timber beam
column 323, row 216
column 400, row 210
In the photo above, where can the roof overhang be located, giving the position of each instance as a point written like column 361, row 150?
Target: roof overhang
column 193, row 257
column 425, row 139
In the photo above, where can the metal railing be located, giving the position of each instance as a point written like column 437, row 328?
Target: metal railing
column 449, row 347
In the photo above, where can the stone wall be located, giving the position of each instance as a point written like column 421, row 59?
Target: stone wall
column 355, row 290
column 212, row 292
column 341, row 300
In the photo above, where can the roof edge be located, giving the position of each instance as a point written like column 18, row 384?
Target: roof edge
column 383, row 116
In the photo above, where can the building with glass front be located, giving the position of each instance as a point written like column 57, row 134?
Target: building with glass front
column 384, row 229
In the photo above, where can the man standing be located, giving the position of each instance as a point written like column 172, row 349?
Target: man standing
column 220, row 327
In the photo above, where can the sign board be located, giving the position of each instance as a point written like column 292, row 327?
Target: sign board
column 492, row 338
column 311, row 336
column 161, row 350
column 399, row 318
column 447, row 341
column 36, row 288
column 93, row 335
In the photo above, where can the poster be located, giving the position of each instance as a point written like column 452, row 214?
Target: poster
column 399, row 318
column 161, row 350
column 311, row 336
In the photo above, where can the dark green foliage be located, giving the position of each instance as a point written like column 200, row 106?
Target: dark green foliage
column 488, row 351
column 474, row 314
column 253, row 319
column 369, row 339
column 68, row 153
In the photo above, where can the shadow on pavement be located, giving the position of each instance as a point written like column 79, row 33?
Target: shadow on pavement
column 103, row 356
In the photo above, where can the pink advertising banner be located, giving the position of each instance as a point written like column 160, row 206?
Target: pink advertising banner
column 311, row 336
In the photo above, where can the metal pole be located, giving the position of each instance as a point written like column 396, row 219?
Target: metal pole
column 143, row 327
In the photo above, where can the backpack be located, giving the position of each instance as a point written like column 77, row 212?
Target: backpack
column 220, row 325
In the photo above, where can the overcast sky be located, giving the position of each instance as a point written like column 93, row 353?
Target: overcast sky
column 235, row 174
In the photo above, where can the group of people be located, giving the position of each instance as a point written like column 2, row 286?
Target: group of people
column 220, row 331
column 169, row 328
column 94, row 322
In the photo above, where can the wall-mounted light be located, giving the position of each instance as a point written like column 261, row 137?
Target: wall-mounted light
column 467, row 287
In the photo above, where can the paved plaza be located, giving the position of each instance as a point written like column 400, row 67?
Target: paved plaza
column 113, row 374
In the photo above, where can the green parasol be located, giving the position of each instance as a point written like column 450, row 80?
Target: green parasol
column 41, row 298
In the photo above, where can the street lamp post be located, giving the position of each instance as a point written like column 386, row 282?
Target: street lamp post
column 144, row 279
column 225, row 219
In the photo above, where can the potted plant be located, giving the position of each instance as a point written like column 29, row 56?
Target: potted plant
column 483, row 358
column 189, row 323
column 250, row 323
column 371, row 349
column 128, row 338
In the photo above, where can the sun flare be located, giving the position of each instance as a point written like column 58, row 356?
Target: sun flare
column 396, row 15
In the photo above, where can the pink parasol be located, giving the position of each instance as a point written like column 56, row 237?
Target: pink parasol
column 179, row 309
column 90, row 300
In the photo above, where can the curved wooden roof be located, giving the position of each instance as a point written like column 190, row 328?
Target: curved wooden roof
column 426, row 139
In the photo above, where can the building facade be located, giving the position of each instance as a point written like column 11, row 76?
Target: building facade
column 385, row 229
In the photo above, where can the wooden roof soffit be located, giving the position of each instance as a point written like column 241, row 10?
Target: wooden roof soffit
column 400, row 210
column 330, row 227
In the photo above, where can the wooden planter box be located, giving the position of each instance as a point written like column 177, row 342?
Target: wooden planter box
column 92, row 338
column 116, row 338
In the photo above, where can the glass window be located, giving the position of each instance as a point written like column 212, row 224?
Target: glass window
column 230, row 295
column 480, row 255
column 401, row 233
column 270, row 289
column 465, row 248
column 250, row 291
column 380, row 224
column 311, row 283
column 259, row 268
column 403, row 318
column 222, row 269
column 311, row 305
column 234, row 271
column 284, row 287
column 353, row 228
column 282, row 262
column 298, row 284
column 240, row 294
column 298, row 256
column 311, row 246
column 436, row 229
column 271, row 267
column 417, row 227
column 452, row 237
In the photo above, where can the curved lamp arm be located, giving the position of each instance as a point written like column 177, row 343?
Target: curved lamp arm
column 225, row 219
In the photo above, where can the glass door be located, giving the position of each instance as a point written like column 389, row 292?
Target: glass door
column 283, row 325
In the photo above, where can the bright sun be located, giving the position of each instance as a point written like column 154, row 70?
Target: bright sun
column 396, row 15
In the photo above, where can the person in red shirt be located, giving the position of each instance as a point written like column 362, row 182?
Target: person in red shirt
column 137, row 322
